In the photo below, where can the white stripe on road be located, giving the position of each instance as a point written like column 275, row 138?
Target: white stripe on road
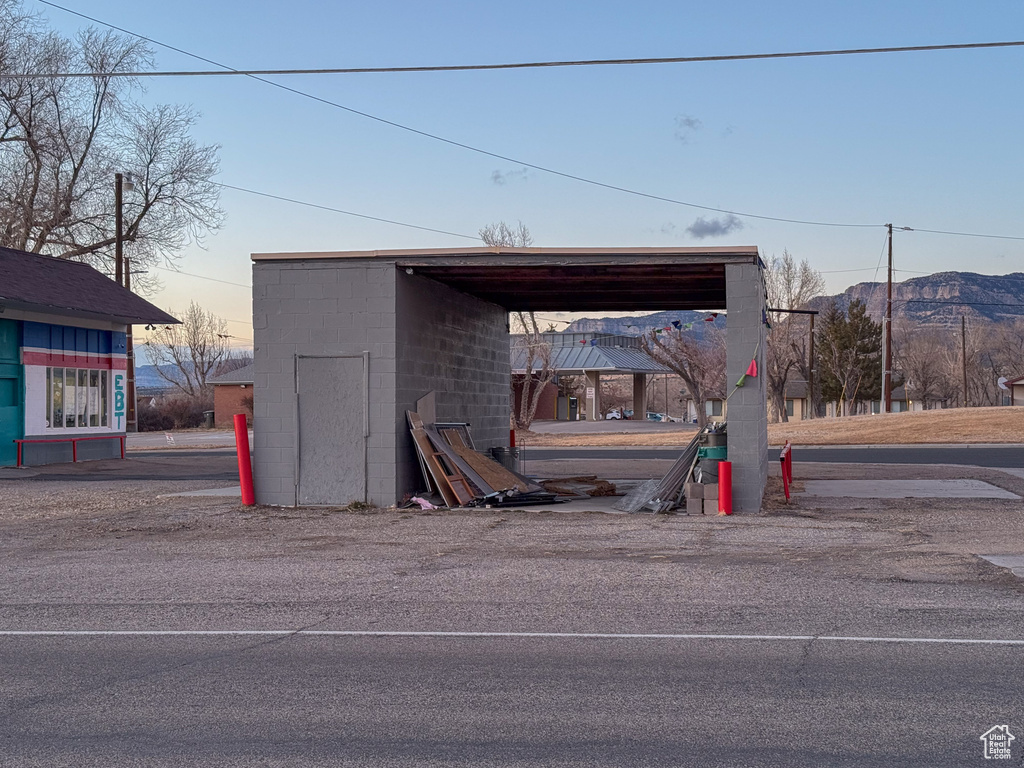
column 511, row 635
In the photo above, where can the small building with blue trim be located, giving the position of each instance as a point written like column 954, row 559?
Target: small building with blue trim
column 63, row 358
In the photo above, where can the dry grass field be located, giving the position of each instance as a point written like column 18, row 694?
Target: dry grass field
column 955, row 425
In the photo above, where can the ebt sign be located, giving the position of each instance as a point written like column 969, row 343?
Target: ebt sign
column 119, row 401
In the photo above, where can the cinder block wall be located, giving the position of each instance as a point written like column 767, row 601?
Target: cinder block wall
column 321, row 307
column 458, row 346
column 748, row 405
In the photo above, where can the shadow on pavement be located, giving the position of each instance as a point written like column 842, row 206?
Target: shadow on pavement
column 220, row 465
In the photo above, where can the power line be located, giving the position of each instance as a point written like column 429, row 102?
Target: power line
column 516, row 65
column 962, row 303
column 961, row 234
column 462, row 145
column 201, row 277
column 347, row 213
column 582, row 179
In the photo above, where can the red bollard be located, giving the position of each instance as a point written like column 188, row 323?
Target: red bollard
column 244, row 460
column 785, row 467
column 725, row 487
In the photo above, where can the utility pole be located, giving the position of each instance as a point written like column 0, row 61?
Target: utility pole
column 963, row 352
column 119, row 230
column 887, row 362
column 123, row 277
column 810, row 374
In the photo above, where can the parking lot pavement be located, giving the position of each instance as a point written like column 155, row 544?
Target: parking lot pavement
column 610, row 425
column 177, row 439
column 725, row 641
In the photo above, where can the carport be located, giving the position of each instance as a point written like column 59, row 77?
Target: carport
column 347, row 342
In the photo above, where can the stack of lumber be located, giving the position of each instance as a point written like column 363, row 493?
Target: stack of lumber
column 463, row 476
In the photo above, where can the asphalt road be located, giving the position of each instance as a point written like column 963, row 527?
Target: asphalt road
column 974, row 455
column 242, row 701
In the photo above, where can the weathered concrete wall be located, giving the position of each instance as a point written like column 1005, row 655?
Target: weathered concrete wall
column 318, row 307
column 748, row 405
column 458, row 346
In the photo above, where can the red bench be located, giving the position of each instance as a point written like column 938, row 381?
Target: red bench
column 74, row 443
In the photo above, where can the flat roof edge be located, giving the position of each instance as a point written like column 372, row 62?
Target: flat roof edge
column 739, row 252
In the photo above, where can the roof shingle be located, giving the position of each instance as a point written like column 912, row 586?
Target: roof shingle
column 38, row 283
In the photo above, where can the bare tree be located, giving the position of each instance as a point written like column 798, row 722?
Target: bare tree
column 701, row 366
column 501, row 235
column 789, row 286
column 922, row 355
column 538, row 352
column 63, row 139
column 192, row 350
column 538, row 369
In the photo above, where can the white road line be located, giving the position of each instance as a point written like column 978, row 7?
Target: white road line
column 510, row 635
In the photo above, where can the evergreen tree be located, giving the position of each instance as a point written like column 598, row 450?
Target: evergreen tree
column 849, row 347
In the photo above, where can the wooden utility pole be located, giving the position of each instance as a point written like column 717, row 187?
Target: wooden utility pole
column 810, row 374
column 887, row 343
column 118, row 230
column 123, row 277
column 963, row 352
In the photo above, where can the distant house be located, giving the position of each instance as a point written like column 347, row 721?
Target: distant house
column 63, row 359
column 231, row 393
column 798, row 405
column 1016, row 387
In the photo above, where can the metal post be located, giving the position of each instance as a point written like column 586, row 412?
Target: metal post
column 887, row 363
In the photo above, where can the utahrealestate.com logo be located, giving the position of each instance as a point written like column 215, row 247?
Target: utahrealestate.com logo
column 997, row 742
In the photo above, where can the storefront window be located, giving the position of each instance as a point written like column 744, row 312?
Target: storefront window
column 70, row 394
column 57, row 377
column 76, row 398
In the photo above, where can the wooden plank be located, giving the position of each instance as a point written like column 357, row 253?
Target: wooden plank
column 460, row 488
column 454, row 438
column 463, row 429
column 441, row 445
column 495, row 475
column 416, row 423
column 426, row 450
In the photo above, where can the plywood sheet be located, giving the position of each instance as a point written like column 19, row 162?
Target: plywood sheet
column 427, row 453
column 495, row 475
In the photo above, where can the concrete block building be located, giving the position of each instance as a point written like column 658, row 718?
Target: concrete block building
column 63, row 359
column 347, row 342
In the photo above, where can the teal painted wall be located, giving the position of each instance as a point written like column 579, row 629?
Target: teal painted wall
column 12, row 392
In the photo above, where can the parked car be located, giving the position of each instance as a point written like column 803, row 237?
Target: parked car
column 652, row 416
column 619, row 413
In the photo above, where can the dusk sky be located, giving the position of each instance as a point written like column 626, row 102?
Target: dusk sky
column 924, row 140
